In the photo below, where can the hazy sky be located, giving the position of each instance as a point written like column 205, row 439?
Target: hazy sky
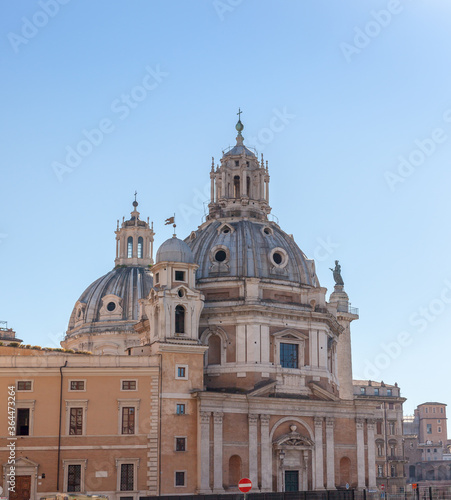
column 349, row 101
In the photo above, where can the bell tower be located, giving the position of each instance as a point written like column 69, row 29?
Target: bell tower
column 134, row 241
column 240, row 185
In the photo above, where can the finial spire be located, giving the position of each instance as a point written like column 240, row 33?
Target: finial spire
column 135, row 203
column 239, row 126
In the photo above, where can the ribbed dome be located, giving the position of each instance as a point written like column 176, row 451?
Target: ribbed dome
column 250, row 249
column 125, row 285
column 175, row 250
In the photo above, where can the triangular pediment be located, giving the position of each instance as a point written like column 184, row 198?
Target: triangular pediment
column 23, row 462
column 290, row 334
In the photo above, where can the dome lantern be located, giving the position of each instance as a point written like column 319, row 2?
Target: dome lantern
column 134, row 240
column 240, row 185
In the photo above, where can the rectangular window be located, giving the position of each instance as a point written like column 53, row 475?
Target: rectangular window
column 289, row 355
column 429, row 428
column 24, row 385
column 433, row 410
column 127, row 473
column 179, row 275
column 180, row 444
column 439, row 429
column 180, row 478
column 439, row 421
column 362, row 390
column 380, row 471
column 441, row 410
column 157, row 278
column 129, row 385
column 389, row 392
column 426, row 410
column 180, row 409
column 390, row 406
column 391, row 428
column 393, row 471
column 379, row 427
column 77, row 385
column 73, row 478
column 76, row 422
column 376, row 391
column 128, row 420
column 23, row 422
column 181, row 372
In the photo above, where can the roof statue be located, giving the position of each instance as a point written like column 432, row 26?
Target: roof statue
column 337, row 274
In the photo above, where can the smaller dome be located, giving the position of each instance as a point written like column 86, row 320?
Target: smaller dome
column 175, row 250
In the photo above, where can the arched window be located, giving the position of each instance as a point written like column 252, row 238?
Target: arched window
column 248, row 187
column 214, row 350
column 179, row 319
column 236, row 186
column 140, row 247
column 234, row 470
column 130, row 247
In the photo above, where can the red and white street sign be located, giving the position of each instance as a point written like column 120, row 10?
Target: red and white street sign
column 382, row 487
column 245, row 485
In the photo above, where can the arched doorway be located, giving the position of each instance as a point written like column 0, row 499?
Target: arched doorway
column 294, row 456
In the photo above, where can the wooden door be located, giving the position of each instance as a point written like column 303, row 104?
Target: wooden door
column 23, row 488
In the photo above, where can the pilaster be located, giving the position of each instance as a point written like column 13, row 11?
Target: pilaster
column 217, row 452
column 319, row 459
column 266, row 456
column 330, row 452
column 360, row 424
column 371, row 455
column 253, row 455
column 204, row 452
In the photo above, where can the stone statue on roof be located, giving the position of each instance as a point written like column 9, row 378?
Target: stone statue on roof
column 337, row 274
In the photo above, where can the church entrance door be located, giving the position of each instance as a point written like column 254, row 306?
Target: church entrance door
column 23, row 488
column 291, row 480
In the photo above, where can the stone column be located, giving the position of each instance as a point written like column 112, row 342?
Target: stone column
column 360, row 423
column 217, row 452
column 319, row 461
column 330, row 453
column 266, row 454
column 205, row 452
column 371, row 455
column 253, row 454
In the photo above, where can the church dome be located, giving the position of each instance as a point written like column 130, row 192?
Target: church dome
column 174, row 250
column 111, row 302
column 245, row 248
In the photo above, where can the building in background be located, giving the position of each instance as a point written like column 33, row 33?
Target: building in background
column 389, row 442
column 426, row 446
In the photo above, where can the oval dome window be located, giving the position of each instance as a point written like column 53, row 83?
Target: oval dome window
column 220, row 256
column 111, row 306
column 277, row 258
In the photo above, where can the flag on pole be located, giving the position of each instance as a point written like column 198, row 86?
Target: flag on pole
column 169, row 220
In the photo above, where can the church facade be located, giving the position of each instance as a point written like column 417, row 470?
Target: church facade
column 221, row 359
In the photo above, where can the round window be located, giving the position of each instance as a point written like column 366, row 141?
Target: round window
column 111, row 306
column 220, row 256
column 277, row 258
column 226, row 230
column 266, row 231
column 180, row 293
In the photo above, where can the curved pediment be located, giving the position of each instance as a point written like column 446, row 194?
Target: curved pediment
column 294, row 439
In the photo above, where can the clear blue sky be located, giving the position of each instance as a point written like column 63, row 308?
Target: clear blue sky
column 358, row 86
